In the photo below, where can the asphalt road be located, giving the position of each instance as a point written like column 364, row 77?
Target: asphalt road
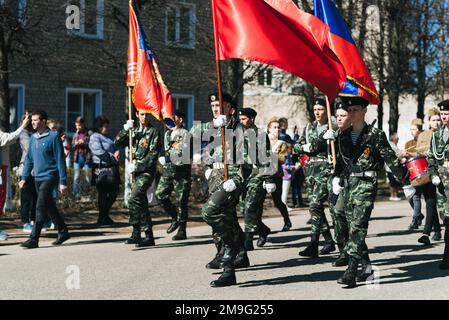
column 102, row 267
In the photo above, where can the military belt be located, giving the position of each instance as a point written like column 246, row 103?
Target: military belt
column 371, row 174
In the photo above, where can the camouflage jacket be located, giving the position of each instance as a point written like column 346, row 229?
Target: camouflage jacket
column 439, row 151
column 175, row 142
column 377, row 151
column 318, row 146
column 146, row 146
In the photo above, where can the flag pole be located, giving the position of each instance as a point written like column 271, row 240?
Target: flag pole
column 220, row 98
column 329, row 121
column 130, row 117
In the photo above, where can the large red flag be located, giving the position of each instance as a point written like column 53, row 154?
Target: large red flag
column 276, row 32
column 150, row 93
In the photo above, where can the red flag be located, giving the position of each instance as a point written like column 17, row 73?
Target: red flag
column 150, row 93
column 276, row 32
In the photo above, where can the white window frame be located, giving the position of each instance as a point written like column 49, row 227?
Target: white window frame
column 192, row 27
column 98, row 104
column 21, row 100
column 100, row 22
column 190, row 109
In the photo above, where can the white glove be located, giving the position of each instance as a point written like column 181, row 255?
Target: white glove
column 131, row 168
column 436, row 180
column 220, row 121
column 306, row 147
column 197, row 158
column 336, row 188
column 128, row 125
column 329, row 135
column 162, row 161
column 208, row 173
column 409, row 191
column 229, row 185
column 270, row 187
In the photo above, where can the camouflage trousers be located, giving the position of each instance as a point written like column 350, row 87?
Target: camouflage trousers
column 443, row 193
column 175, row 179
column 139, row 216
column 253, row 203
column 317, row 190
column 341, row 218
column 220, row 212
column 360, row 194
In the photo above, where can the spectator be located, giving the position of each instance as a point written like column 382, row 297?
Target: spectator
column 81, row 156
column 298, row 179
column 105, row 174
column 288, row 168
column 5, row 139
column 283, row 126
column 46, row 156
column 28, row 195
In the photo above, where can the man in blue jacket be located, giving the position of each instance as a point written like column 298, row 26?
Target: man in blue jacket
column 46, row 157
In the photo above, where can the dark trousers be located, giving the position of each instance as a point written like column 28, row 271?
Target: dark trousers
column 28, row 199
column 45, row 207
column 277, row 199
column 297, row 183
column 107, row 193
column 430, row 196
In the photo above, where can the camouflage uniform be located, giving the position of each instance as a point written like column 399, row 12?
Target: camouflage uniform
column 176, row 176
column 145, row 152
column 317, row 171
column 361, row 186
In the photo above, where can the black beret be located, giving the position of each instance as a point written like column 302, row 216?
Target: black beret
column 180, row 114
column 224, row 95
column 249, row 112
column 444, row 105
column 353, row 101
column 340, row 104
column 320, row 102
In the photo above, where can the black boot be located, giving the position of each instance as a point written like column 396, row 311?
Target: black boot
column 437, row 236
column 148, row 241
column 343, row 258
column 135, row 236
column 215, row 262
column 173, row 226
column 414, row 225
column 62, row 237
column 329, row 243
column 264, row 231
column 249, row 237
column 445, row 263
column 30, row 244
column 227, row 278
column 182, row 233
column 311, row 251
column 241, row 260
column 367, row 270
column 287, row 225
column 349, row 276
column 424, row 239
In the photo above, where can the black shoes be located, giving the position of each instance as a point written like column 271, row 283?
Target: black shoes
column 420, row 219
column 173, row 226
column 424, row 240
column 215, row 263
column 349, row 277
column 264, row 231
column 227, row 278
column 311, row 251
column 135, row 236
column 287, row 226
column 61, row 238
column 241, row 260
column 148, row 241
column 105, row 221
column 182, row 232
column 414, row 225
column 342, row 260
column 437, row 236
column 365, row 274
column 30, row 244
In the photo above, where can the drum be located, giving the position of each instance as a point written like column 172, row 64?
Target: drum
column 417, row 168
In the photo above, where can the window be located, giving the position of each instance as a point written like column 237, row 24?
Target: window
column 265, row 77
column 16, row 105
column 184, row 103
column 180, row 23
column 18, row 6
column 82, row 102
column 91, row 19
